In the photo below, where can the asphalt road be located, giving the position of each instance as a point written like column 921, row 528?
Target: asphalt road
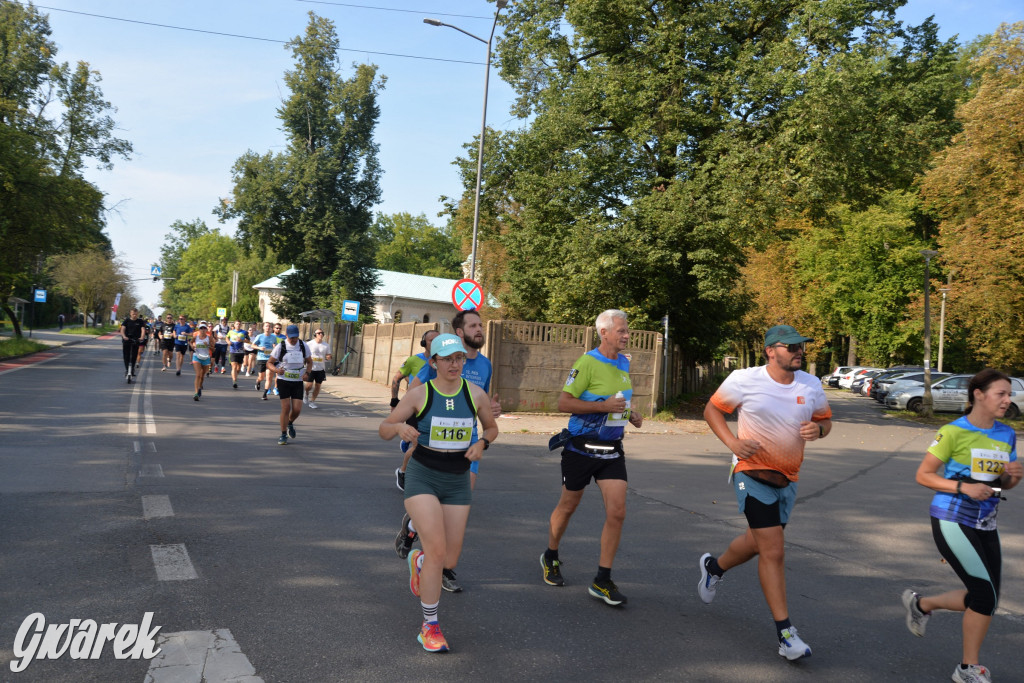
column 295, row 575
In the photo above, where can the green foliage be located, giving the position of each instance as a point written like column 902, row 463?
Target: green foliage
column 410, row 244
column 92, row 279
column 666, row 140
column 312, row 204
column 19, row 346
column 53, row 120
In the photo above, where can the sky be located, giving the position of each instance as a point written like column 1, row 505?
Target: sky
column 192, row 102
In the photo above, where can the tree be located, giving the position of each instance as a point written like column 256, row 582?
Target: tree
column 93, row 279
column 665, row 140
column 410, row 244
column 53, row 120
column 312, row 205
column 976, row 187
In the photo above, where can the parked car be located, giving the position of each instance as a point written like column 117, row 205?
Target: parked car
column 846, row 380
column 884, row 384
column 913, row 381
column 859, row 382
column 833, row 379
column 950, row 395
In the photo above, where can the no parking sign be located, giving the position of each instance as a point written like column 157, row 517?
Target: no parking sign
column 467, row 295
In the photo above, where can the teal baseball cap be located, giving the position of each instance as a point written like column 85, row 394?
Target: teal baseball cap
column 445, row 345
column 783, row 334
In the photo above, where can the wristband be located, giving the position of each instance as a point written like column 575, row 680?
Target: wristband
column 394, row 401
column 821, row 431
column 487, row 442
column 958, row 484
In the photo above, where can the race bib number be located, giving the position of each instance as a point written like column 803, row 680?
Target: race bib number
column 293, row 374
column 183, row 337
column 987, row 464
column 618, row 419
column 450, row 433
column 169, row 334
column 317, row 359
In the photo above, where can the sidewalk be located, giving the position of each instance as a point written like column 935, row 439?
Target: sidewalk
column 377, row 396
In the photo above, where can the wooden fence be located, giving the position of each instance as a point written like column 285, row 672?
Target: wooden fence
column 531, row 361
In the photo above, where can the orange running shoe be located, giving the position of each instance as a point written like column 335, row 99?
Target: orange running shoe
column 414, row 572
column 431, row 639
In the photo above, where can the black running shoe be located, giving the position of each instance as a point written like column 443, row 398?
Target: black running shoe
column 178, row 373
column 195, row 397
column 448, row 581
column 405, row 538
column 264, row 396
column 552, row 571
column 235, row 385
column 607, row 591
column 291, row 430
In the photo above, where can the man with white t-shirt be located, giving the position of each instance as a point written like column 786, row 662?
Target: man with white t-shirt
column 320, row 352
column 291, row 362
column 781, row 408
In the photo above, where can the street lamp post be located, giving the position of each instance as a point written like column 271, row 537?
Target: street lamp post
column 942, row 325
column 499, row 4
column 926, row 401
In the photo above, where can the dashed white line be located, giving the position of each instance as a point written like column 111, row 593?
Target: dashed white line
column 200, row 657
column 156, row 506
column 147, row 405
column 151, row 471
column 172, row 562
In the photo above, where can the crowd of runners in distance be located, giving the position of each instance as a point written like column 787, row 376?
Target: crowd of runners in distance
column 281, row 363
column 446, row 421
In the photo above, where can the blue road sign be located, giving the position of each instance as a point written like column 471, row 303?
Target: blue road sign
column 40, row 296
column 350, row 310
column 155, row 271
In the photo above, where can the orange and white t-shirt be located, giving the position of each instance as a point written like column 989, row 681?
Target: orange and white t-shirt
column 771, row 413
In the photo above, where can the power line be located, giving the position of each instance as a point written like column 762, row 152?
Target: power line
column 394, row 9
column 245, row 37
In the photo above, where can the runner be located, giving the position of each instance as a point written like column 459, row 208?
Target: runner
column 781, row 409
column 970, row 462
column 132, row 335
column 280, row 339
column 237, row 341
column 146, row 332
column 167, row 343
column 597, row 393
column 157, row 328
column 291, row 362
column 320, row 352
column 409, row 370
column 220, row 348
column 264, row 343
column 182, row 336
column 201, row 345
column 249, row 362
column 438, row 495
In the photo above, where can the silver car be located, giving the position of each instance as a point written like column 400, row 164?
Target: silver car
column 949, row 395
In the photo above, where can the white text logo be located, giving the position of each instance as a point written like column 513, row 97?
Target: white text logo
column 81, row 639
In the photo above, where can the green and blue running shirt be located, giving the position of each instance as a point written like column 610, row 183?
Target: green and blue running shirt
column 595, row 378
column 971, row 452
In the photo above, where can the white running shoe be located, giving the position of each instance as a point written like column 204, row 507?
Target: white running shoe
column 313, row 405
column 708, row 585
column 974, row 673
column 791, row 646
column 916, row 619
column 305, row 399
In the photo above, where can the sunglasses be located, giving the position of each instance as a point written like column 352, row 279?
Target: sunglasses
column 792, row 348
column 320, row 333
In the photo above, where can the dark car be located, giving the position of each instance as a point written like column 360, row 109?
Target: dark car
column 882, row 383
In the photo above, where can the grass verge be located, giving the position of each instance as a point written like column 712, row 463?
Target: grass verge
column 93, row 331
column 19, row 347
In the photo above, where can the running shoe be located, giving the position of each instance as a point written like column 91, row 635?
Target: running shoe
column 222, row 371
column 200, row 392
column 275, row 392
column 264, row 396
column 400, row 479
column 552, row 571
column 305, row 398
column 405, row 538
column 313, row 405
column 178, row 373
column 974, row 673
column 163, row 369
column 414, row 572
column 128, row 377
column 235, row 385
column 256, row 386
column 916, row 619
column 283, row 441
column 291, row 430
column 607, row 591
column 708, row 585
column 448, row 581
column 791, row 646
column 195, row 396
column 431, row 639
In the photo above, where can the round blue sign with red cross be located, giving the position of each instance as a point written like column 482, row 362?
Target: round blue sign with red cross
column 467, row 295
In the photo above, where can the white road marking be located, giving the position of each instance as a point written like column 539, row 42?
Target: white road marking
column 138, row 446
column 172, row 563
column 147, row 405
column 133, row 408
column 152, row 447
column 156, row 506
column 151, row 471
column 200, row 657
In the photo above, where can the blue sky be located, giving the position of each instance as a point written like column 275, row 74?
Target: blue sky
column 191, row 103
